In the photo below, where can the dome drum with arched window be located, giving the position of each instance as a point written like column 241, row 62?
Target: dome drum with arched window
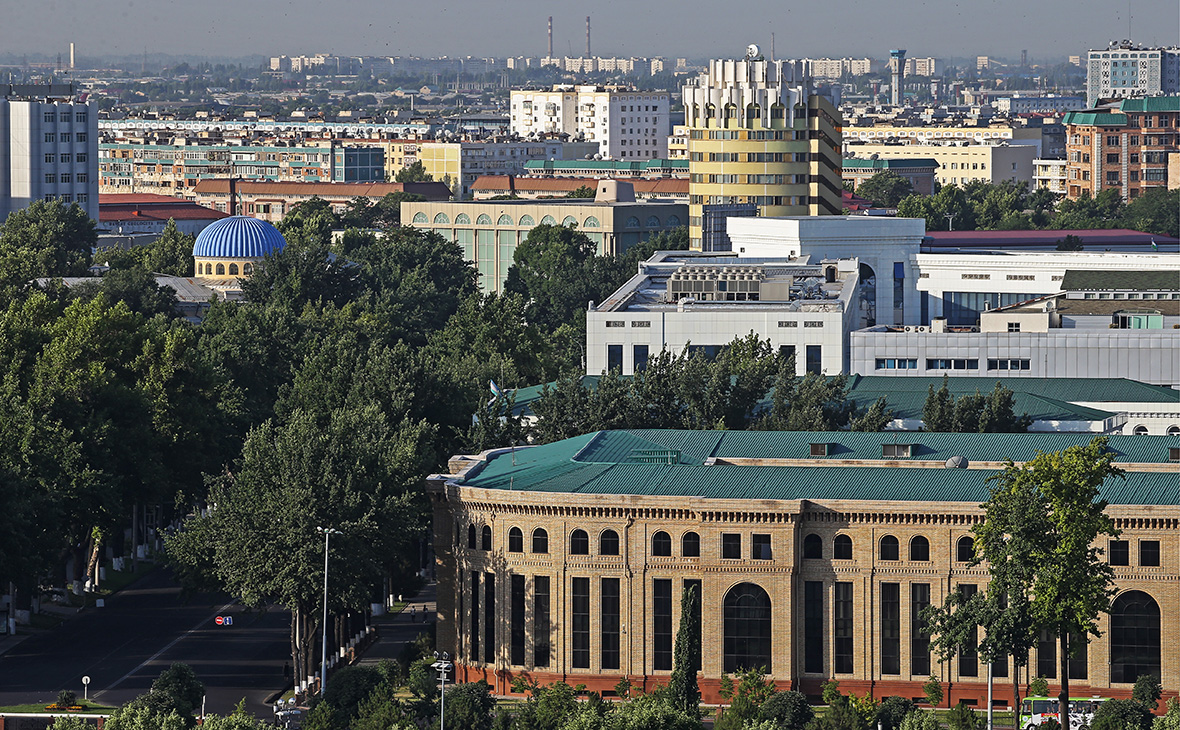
column 234, row 247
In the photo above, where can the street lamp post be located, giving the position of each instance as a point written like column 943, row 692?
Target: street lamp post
column 442, row 666
column 327, row 532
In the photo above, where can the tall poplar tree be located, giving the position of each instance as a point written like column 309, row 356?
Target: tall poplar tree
column 683, row 692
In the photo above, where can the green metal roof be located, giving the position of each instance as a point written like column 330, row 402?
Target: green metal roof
column 1096, row 119
column 599, row 463
column 1107, row 280
column 636, row 165
column 1151, row 104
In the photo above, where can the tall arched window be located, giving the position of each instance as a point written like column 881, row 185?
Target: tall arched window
column 920, row 549
column 747, row 629
column 813, row 547
column 515, row 540
column 247, row 269
column 661, row 544
column 221, row 269
column 965, row 549
column 233, row 269
column 690, row 545
column 485, row 542
column 579, row 543
column 1134, row 637
column 890, row 550
column 471, row 537
column 608, row 543
column 540, row 541
column 842, row 547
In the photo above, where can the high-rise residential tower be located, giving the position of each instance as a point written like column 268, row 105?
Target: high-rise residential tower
column 758, row 133
column 1125, row 71
column 897, row 69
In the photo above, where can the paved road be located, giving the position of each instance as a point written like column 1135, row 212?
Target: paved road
column 141, row 631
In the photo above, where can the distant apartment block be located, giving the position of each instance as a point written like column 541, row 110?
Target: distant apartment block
column 619, row 169
column 1050, row 104
column 625, row 123
column 919, row 172
column 48, row 148
column 924, row 67
column 959, row 165
column 1124, row 146
column 1049, row 174
column 1125, row 70
column 832, row 69
column 460, row 163
column 270, row 201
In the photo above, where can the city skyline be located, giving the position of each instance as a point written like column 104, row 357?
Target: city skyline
column 660, row 28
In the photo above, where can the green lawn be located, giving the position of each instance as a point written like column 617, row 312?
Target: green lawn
column 88, row 707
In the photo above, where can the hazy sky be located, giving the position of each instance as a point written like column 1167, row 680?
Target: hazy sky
column 693, row 28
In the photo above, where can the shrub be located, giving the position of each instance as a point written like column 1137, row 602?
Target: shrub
column 962, row 717
column 933, row 690
column 348, row 687
column 789, row 710
column 1147, row 691
column 1121, row 715
column 1039, row 687
column 893, row 710
column 66, row 698
column 920, row 720
column 470, row 705
column 840, row 716
column 831, row 692
column 1170, row 719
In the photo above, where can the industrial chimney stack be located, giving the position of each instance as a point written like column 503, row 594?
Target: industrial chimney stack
column 550, row 54
column 588, row 37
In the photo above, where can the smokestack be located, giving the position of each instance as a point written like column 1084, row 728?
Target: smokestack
column 550, row 54
column 897, row 61
column 588, row 37
column 233, row 195
column 71, row 56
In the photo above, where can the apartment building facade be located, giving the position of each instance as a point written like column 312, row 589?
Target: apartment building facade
column 1126, row 70
column 625, row 123
column 1124, row 146
column 960, row 164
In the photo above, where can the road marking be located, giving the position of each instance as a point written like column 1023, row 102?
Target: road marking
column 201, row 624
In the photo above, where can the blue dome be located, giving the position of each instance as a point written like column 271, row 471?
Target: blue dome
column 238, row 237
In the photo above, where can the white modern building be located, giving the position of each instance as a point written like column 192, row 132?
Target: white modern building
column 1049, row 174
column 627, row 124
column 1125, row 70
column 48, row 148
column 701, row 301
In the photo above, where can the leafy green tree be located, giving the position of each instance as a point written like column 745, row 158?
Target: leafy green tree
column 948, row 209
column 177, row 690
column 136, row 287
column 1170, row 719
column 1038, row 687
column 138, row 716
column 1084, row 212
column 1154, row 212
column 470, row 705
column 171, row 254
column 1147, row 691
column 683, row 693
column 830, row 693
column 921, row 720
column 972, row 412
column 584, row 191
column 1118, row 714
column 47, row 238
column 71, row 723
column 788, row 710
column 547, row 707
column 563, row 410
column 873, row 420
column 313, row 214
column 413, row 173
column 932, row 688
column 555, row 269
column 1070, row 243
column 893, row 710
column 938, row 413
column 886, row 189
column 962, row 717
column 322, row 717
column 348, row 687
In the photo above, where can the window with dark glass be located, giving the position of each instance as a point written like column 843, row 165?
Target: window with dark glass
column 891, row 628
column 540, row 541
column 919, row 638
column 697, row 587
column 842, row 629
column 1047, row 655
column 489, row 617
column 579, row 543
column 813, row 627
column 965, row 549
column 815, row 359
column 610, row 623
column 842, row 547
column 920, row 549
column 813, row 547
column 580, row 633
column 760, row 547
column 541, row 621
column 747, row 632
column 639, row 353
column 614, row 357
column 471, row 537
column 1149, row 553
column 1079, row 659
column 661, row 544
column 890, row 550
column 690, row 545
column 1134, row 637
column 608, row 543
column 475, row 616
column 515, row 540
column 1120, row 552
column 968, row 656
column 485, row 538
column 731, row 546
column 662, row 624
column 517, row 618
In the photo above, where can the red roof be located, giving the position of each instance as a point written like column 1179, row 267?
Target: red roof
column 138, row 198
column 151, row 207
column 1093, row 238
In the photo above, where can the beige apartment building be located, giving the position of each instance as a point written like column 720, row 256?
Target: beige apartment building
column 989, row 163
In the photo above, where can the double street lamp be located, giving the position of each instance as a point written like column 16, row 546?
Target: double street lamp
column 327, row 533
column 442, row 665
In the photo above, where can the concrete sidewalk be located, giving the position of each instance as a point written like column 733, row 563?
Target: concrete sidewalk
column 397, row 630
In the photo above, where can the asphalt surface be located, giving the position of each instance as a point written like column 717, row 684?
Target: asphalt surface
column 143, row 629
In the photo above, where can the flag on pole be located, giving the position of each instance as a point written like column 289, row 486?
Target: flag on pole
column 495, row 390
column 1154, row 247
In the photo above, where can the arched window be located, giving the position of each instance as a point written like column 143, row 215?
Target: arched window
column 515, row 540
column 527, row 220
column 462, row 220
column 208, row 269
column 548, row 221
column 608, row 543
column 673, row 221
column 1140, row 430
column 1134, row 637
column 233, row 269
column 813, row 547
column 247, row 269
column 591, row 222
column 690, row 545
column 965, row 549
column 569, row 220
column 483, row 219
column 420, row 217
column 747, row 629
column 471, row 537
column 661, row 544
column 842, row 547
column 221, row 269
column 653, row 221
column 540, row 541
column 504, row 220
column 485, row 538
column 579, row 543
column 441, row 219
column 920, row 549
column 632, row 222
column 1173, row 430
column 890, row 550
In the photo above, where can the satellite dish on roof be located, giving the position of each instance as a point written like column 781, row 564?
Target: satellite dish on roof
column 752, row 52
